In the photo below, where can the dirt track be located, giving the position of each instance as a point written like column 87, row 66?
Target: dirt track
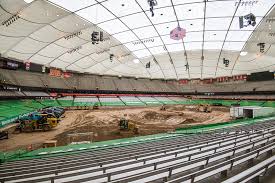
column 104, row 124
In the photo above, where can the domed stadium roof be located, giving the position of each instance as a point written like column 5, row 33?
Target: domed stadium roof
column 57, row 33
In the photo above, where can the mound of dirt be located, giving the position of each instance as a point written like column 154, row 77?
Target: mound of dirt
column 152, row 115
column 189, row 121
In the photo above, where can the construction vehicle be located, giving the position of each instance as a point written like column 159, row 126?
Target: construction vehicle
column 4, row 135
column 95, row 106
column 57, row 111
column 37, row 121
column 204, row 108
column 163, row 108
column 126, row 125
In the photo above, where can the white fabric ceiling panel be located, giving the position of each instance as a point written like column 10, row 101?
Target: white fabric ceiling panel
column 136, row 45
column 42, row 12
column 75, row 68
column 136, row 67
column 190, row 11
column 122, row 7
column 167, row 40
column 69, row 58
column 71, row 43
column 53, row 50
column 98, row 57
column 211, row 55
column 97, row 69
column 136, row 20
column 214, row 35
column 71, row 24
column 220, row 9
column 113, row 26
column 146, row 32
column 193, row 36
column 235, row 46
column 73, row 5
column 176, row 2
column 125, row 37
column 40, row 59
column 179, row 60
column 85, row 62
column 33, row 46
column 153, row 42
column 193, row 46
column 223, row 72
column 195, row 74
column 209, row 72
column 238, row 35
column 13, row 6
column 162, row 15
column 165, row 28
column 175, row 47
column 20, row 28
column 89, row 48
column 142, row 53
column 108, row 65
column 7, row 42
column 47, row 34
column 124, row 70
column 212, row 45
column 119, row 52
column 217, row 23
column 95, row 14
column 58, row 64
column 18, row 55
column 158, row 50
column 192, row 25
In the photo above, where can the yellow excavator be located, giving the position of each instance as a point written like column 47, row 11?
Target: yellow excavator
column 126, row 125
column 204, row 108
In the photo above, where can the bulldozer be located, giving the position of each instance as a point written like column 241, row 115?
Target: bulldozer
column 126, row 125
column 204, row 108
column 37, row 121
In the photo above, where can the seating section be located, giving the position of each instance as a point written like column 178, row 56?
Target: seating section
column 13, row 108
column 111, row 101
column 6, row 93
column 93, row 82
column 36, row 94
column 150, row 100
column 131, row 101
column 179, row 100
column 208, row 157
column 165, row 100
column 66, row 101
column 85, row 101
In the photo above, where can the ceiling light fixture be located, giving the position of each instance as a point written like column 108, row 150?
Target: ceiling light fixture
column 136, row 61
column 243, row 53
